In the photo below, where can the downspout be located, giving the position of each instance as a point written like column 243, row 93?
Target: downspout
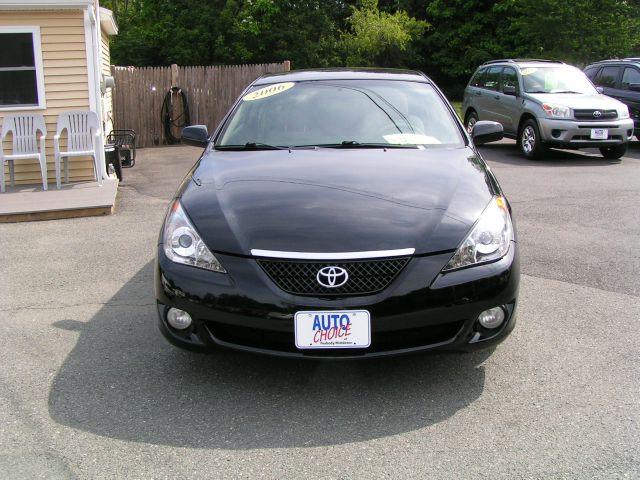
column 96, row 99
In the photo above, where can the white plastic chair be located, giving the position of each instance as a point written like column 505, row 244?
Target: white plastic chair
column 24, row 129
column 83, row 140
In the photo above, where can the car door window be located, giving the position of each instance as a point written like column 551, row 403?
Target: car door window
column 491, row 80
column 630, row 75
column 477, row 78
column 509, row 78
column 607, row 77
column 591, row 73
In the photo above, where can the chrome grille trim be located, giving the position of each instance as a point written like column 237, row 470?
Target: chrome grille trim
column 332, row 256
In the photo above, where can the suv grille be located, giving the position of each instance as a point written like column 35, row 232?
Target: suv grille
column 366, row 277
column 588, row 114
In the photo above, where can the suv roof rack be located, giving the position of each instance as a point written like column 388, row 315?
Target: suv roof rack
column 521, row 60
column 629, row 59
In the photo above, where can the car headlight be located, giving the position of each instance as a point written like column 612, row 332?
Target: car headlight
column 488, row 240
column 182, row 243
column 623, row 112
column 556, row 111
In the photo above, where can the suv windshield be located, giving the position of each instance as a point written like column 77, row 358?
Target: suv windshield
column 339, row 114
column 555, row 79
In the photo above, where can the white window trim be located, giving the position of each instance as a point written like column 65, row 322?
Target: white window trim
column 37, row 57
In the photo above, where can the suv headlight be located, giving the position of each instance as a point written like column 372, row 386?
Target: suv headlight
column 182, row 243
column 488, row 240
column 623, row 112
column 556, row 111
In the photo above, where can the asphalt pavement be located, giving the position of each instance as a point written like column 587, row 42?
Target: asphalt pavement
column 89, row 388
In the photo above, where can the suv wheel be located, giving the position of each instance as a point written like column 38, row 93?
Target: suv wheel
column 472, row 118
column 529, row 140
column 614, row 153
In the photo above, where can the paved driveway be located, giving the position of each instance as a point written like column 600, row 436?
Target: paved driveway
column 88, row 388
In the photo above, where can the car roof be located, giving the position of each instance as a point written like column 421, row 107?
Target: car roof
column 621, row 61
column 523, row 62
column 343, row 74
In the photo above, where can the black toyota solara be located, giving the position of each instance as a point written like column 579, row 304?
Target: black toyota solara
column 338, row 213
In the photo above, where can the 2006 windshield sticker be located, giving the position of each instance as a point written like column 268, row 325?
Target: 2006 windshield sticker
column 268, row 91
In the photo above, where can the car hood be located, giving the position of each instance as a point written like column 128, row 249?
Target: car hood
column 337, row 200
column 579, row 101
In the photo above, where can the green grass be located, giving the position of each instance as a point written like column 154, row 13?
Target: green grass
column 458, row 108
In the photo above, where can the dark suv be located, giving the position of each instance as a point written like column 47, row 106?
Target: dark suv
column 620, row 79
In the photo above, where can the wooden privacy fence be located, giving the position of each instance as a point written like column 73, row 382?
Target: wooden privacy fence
column 140, row 92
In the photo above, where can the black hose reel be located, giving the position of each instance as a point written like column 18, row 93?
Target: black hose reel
column 167, row 115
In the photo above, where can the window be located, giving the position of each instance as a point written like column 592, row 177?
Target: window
column 509, row 78
column 607, row 77
column 591, row 72
column 491, row 79
column 475, row 81
column 631, row 75
column 21, row 72
column 328, row 113
column 555, row 79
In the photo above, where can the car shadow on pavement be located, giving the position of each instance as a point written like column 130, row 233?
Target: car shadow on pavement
column 634, row 149
column 509, row 154
column 122, row 380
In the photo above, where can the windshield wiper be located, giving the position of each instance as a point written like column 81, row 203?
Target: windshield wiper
column 563, row 91
column 250, row 146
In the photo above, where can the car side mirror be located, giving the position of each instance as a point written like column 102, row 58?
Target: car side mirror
column 635, row 87
column 196, row 135
column 510, row 90
column 600, row 89
column 485, row 131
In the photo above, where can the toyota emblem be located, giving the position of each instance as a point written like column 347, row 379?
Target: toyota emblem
column 597, row 114
column 332, row 277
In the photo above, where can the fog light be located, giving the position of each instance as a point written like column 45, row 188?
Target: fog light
column 178, row 319
column 556, row 133
column 491, row 318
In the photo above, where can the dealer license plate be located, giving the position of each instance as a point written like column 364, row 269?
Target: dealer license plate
column 333, row 329
column 599, row 134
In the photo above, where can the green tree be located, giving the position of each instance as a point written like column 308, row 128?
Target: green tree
column 379, row 38
column 161, row 32
column 579, row 32
column 303, row 31
column 464, row 34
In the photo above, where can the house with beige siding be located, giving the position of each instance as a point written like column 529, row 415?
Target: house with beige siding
column 54, row 57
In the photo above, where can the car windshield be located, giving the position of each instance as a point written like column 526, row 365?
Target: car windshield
column 341, row 114
column 556, row 79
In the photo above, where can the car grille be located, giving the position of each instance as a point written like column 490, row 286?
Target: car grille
column 366, row 277
column 588, row 114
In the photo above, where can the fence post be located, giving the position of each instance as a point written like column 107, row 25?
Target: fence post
column 175, row 80
column 287, row 65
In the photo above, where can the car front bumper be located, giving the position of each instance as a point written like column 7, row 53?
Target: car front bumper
column 577, row 134
column 244, row 310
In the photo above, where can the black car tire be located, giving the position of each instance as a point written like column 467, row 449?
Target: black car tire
column 614, row 153
column 470, row 121
column 529, row 140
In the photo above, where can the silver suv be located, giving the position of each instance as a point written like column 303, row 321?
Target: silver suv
column 543, row 104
